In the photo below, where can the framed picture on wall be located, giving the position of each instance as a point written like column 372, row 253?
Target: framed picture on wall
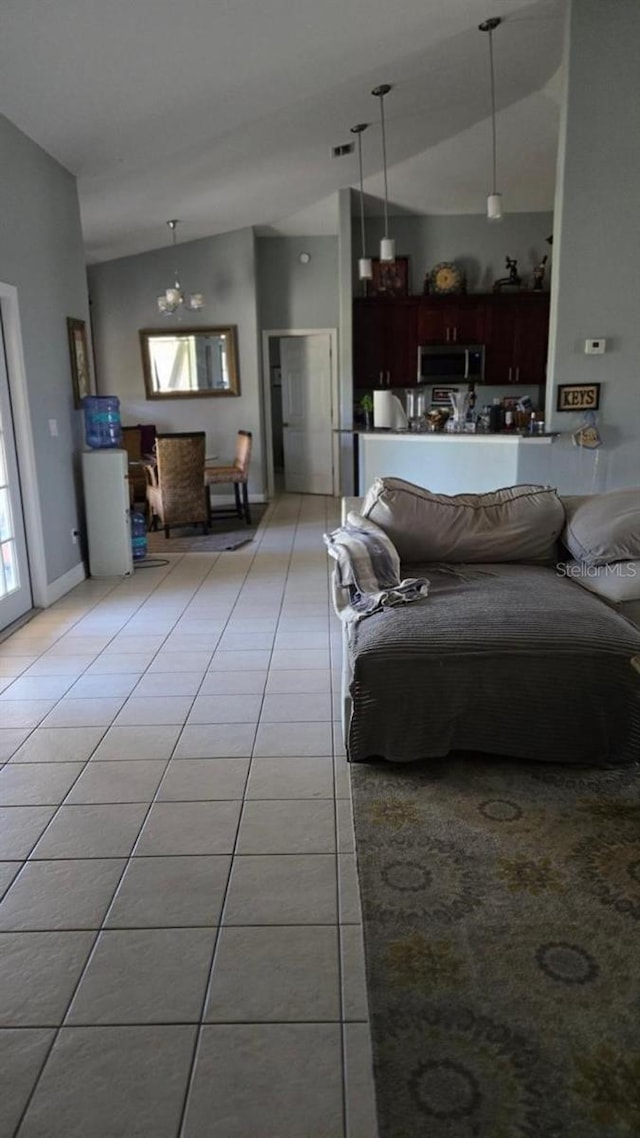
column 578, row 397
column 79, row 356
column 390, row 278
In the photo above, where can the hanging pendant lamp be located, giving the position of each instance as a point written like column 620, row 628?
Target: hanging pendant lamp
column 365, row 267
column 387, row 245
column 494, row 200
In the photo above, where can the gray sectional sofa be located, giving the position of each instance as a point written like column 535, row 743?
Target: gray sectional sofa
column 523, row 644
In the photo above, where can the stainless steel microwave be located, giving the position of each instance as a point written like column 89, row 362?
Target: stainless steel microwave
column 448, row 363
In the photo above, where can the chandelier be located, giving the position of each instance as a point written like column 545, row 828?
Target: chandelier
column 174, row 298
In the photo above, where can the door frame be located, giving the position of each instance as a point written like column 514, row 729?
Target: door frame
column 25, row 448
column 278, row 333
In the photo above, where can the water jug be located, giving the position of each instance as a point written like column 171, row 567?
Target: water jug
column 138, row 536
column 102, row 421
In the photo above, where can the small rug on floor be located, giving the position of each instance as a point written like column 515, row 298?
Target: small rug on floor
column 501, row 911
column 224, row 534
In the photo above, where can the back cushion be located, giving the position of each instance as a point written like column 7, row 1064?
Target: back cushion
column 519, row 523
column 601, row 528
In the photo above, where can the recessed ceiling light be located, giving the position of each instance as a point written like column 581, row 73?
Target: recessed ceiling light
column 304, row 258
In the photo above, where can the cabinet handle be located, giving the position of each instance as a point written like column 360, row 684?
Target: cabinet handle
column 455, row 335
column 381, row 378
column 517, row 380
column 446, row 335
column 388, row 379
column 510, row 370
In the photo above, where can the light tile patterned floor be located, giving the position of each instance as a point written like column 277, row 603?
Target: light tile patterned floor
column 180, row 940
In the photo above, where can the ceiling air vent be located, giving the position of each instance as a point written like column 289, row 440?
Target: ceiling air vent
column 340, row 151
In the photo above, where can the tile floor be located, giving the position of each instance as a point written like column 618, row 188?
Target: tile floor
column 180, row 941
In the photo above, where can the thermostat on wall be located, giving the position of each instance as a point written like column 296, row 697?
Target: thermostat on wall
column 595, row 347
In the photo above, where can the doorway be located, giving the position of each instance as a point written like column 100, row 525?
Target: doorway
column 300, row 400
column 15, row 581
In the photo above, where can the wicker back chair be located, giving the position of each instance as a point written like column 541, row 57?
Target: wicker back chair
column 237, row 473
column 176, row 491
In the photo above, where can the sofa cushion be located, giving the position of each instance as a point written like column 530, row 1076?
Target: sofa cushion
column 616, row 582
column 602, row 528
column 518, row 523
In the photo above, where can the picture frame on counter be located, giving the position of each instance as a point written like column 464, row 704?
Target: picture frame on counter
column 389, row 278
column 441, row 396
column 578, row 397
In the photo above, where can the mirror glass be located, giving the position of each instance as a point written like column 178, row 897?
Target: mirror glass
column 190, row 362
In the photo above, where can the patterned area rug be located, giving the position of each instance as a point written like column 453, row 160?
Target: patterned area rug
column 501, row 908
column 224, row 534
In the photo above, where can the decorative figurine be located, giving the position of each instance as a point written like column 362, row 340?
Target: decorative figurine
column 513, row 280
column 538, row 275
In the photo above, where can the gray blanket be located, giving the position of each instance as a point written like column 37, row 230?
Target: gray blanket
column 504, row 659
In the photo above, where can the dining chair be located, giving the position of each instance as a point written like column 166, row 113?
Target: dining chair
column 176, row 491
column 138, row 442
column 237, row 473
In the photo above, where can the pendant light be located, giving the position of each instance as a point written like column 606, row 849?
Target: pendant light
column 494, row 200
column 387, row 245
column 365, row 267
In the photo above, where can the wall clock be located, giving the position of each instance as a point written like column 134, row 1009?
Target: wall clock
column 447, row 277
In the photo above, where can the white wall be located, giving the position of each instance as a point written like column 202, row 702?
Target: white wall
column 42, row 256
column 292, row 294
column 123, row 298
column 596, row 288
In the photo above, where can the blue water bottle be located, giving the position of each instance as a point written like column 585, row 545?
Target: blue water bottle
column 102, row 427
column 138, row 536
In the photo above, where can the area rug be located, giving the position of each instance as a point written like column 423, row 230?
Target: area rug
column 501, row 910
column 224, row 534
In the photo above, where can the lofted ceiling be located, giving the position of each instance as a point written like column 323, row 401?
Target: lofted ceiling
column 223, row 112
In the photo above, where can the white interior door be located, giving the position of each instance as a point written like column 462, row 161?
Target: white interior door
column 15, row 585
column 306, row 413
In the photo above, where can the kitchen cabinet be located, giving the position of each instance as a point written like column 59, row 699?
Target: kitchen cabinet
column 514, row 327
column 385, row 342
column 517, row 334
column 451, row 319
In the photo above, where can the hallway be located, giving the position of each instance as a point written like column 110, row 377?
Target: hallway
column 181, row 951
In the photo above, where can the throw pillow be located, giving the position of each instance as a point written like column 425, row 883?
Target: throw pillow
column 517, row 523
column 603, row 528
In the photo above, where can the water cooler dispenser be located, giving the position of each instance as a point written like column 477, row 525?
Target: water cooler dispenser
column 105, row 474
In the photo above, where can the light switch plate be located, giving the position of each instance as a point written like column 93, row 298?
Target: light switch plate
column 595, row 347
column 53, row 428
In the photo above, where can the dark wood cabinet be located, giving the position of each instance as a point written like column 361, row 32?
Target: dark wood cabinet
column 514, row 327
column 517, row 335
column 385, row 342
column 451, row 320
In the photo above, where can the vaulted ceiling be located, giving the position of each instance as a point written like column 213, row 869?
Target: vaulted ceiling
column 224, row 112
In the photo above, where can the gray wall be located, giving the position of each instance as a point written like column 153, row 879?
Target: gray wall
column 293, row 295
column 597, row 288
column 123, row 296
column 42, row 255
column 478, row 245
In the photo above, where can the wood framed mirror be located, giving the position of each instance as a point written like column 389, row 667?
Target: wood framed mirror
column 190, row 363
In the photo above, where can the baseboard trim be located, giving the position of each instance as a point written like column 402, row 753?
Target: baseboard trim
column 58, row 588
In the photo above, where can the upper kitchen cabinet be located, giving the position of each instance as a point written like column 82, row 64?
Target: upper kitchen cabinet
column 385, row 342
column 517, row 334
column 451, row 319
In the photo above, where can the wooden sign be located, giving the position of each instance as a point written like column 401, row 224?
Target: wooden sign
column 578, row 397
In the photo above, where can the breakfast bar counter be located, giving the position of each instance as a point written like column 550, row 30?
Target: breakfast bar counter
column 453, row 463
